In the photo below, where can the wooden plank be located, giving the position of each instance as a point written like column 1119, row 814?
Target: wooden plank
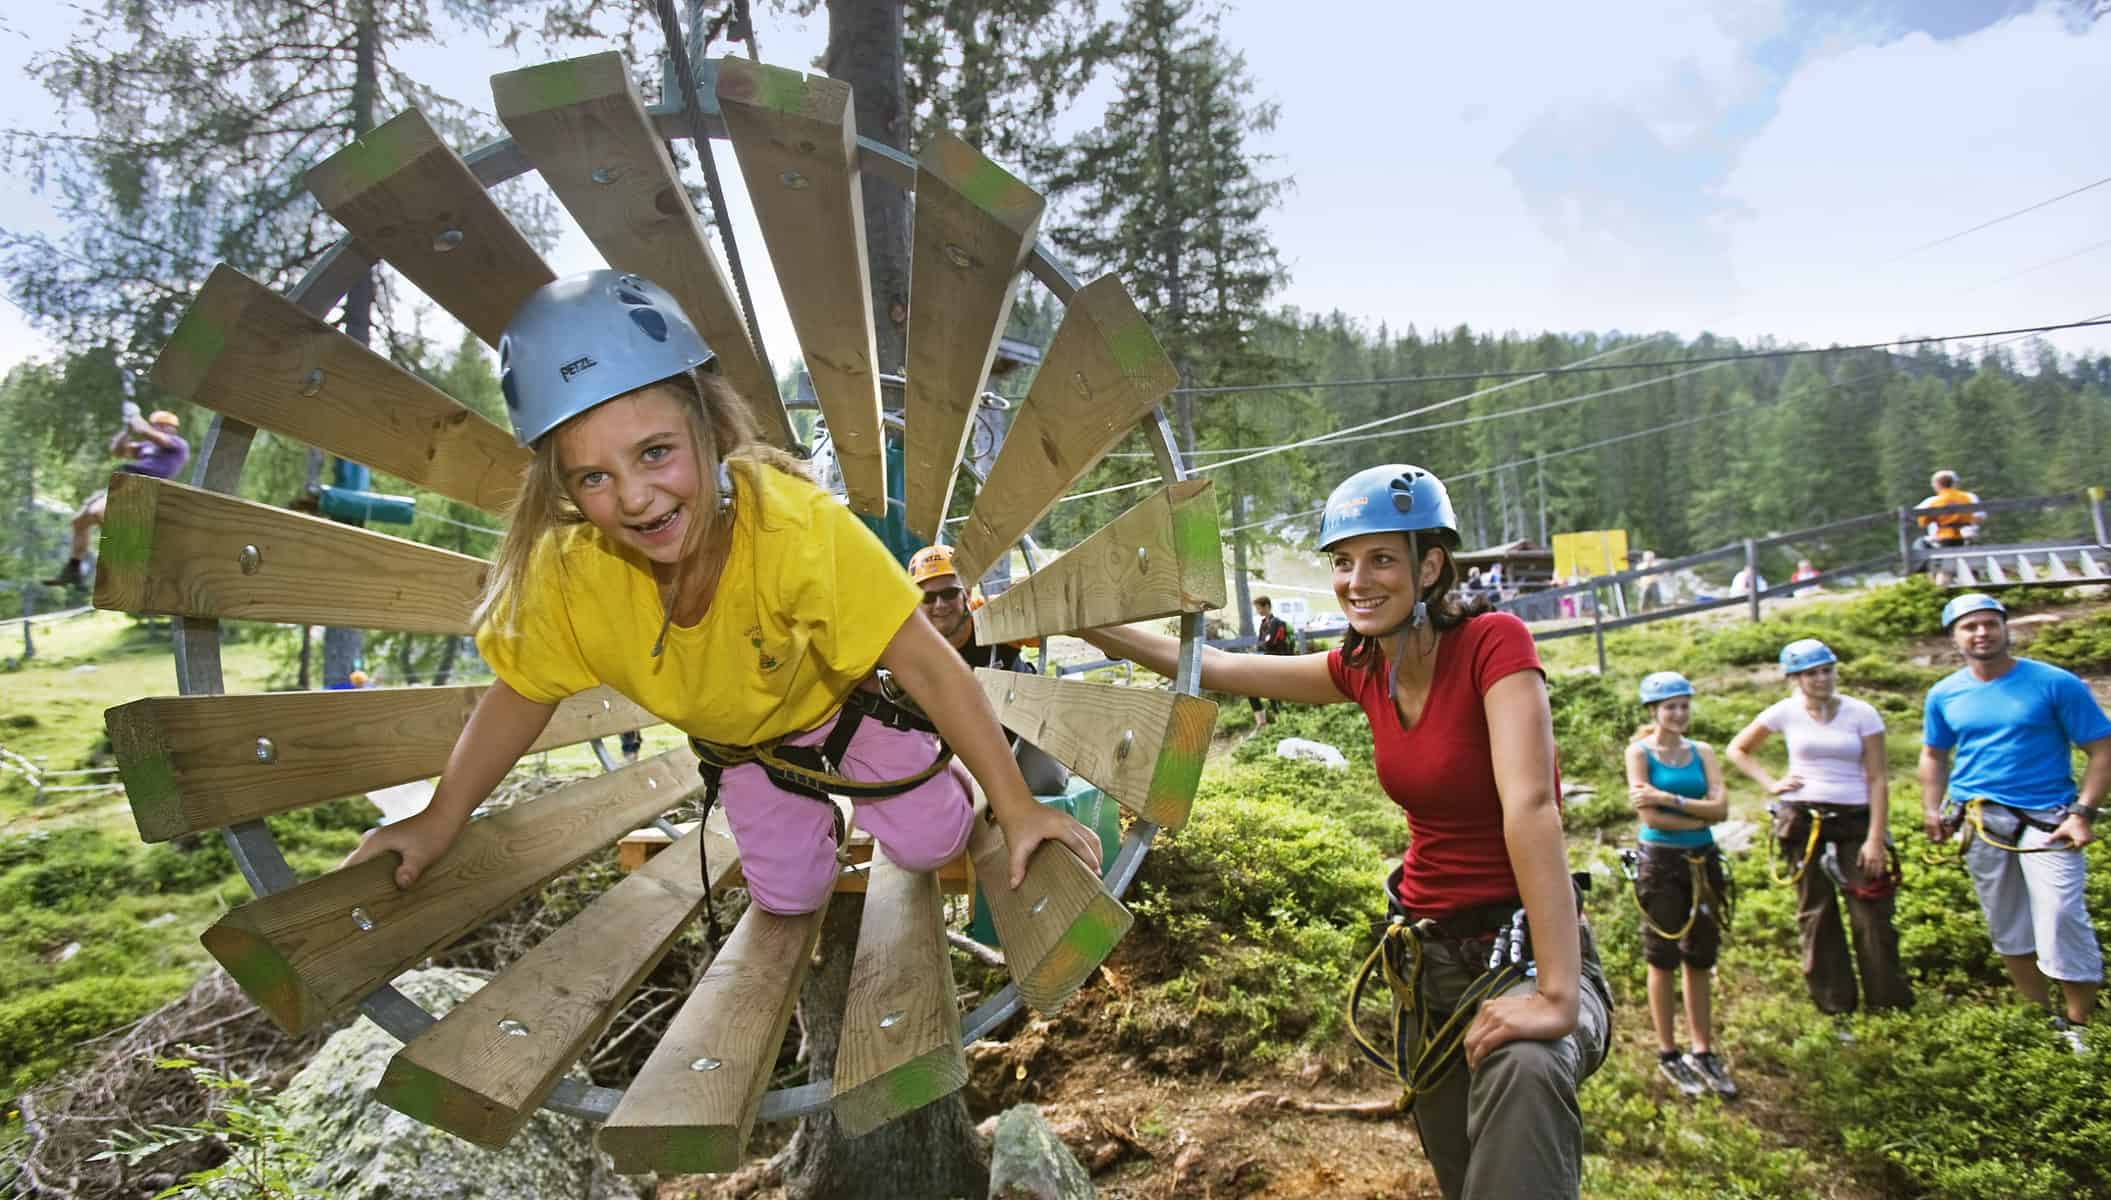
column 173, row 550
column 1104, row 372
column 247, row 352
column 191, row 763
column 411, row 202
column 492, row 1060
column 797, row 146
column 693, row 1103
column 583, row 125
column 1057, row 927
column 975, row 227
column 1161, row 558
column 900, row 1046
column 310, row 952
column 1142, row 746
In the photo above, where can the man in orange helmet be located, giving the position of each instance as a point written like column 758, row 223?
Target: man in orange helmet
column 160, row 451
column 949, row 610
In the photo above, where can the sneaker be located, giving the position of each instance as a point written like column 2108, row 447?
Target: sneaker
column 1711, row 1069
column 2071, row 1034
column 68, row 576
column 1679, row 1070
column 1842, row 1030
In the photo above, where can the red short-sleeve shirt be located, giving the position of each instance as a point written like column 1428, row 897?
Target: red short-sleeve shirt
column 1440, row 770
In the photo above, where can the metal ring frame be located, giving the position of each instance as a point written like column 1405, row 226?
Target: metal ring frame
column 197, row 640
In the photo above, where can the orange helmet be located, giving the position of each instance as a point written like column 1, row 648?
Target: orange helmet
column 164, row 417
column 357, row 679
column 930, row 563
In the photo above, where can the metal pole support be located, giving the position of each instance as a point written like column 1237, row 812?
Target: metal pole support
column 29, row 642
column 1752, row 575
column 2096, row 515
column 1905, row 542
column 1598, row 626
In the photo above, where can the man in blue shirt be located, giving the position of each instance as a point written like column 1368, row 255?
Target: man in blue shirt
column 2010, row 722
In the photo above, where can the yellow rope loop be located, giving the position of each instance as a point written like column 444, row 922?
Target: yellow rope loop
column 1810, row 849
column 1697, row 869
column 1975, row 816
column 1434, row 1052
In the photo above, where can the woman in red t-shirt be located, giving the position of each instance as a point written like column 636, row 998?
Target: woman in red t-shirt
column 1464, row 742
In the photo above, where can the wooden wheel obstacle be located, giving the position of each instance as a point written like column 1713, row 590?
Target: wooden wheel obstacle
column 309, row 950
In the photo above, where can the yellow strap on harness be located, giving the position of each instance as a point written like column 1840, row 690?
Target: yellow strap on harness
column 1697, row 864
column 1810, row 850
column 1975, row 816
column 1434, row 1052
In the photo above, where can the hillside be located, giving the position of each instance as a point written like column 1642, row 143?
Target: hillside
column 1165, row 1073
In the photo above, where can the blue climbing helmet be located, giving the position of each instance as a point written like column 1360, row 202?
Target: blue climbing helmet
column 1969, row 603
column 1663, row 685
column 1395, row 498
column 588, row 338
column 1803, row 654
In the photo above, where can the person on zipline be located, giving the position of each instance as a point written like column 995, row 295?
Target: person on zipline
column 659, row 547
column 1464, row 743
column 1831, row 826
column 1271, row 636
column 1677, row 792
column 151, row 446
column 2010, row 723
column 951, row 612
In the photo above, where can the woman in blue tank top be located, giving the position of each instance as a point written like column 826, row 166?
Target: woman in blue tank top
column 1677, row 792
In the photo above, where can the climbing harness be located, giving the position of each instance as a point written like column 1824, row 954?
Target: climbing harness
column 1810, row 850
column 1703, row 892
column 815, row 772
column 1421, row 1063
column 1973, row 816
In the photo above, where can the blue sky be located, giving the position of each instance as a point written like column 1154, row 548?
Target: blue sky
column 1752, row 167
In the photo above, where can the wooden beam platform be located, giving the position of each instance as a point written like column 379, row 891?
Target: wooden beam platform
column 1142, row 746
column 900, row 1046
column 1104, row 372
column 249, row 353
column 410, row 201
column 975, row 227
column 693, row 1104
column 492, row 1060
column 583, row 125
column 797, row 145
column 173, row 550
column 309, row 953
column 1161, row 558
column 1058, row 927
column 192, row 763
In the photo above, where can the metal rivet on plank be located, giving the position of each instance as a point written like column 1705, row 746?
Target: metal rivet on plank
column 250, row 559
column 1143, row 558
column 313, row 383
column 705, row 1064
column 362, row 920
column 795, row 181
column 445, row 240
column 1127, row 743
column 606, row 175
column 512, row 1028
column 267, row 752
column 892, row 1019
column 1038, row 905
column 958, row 256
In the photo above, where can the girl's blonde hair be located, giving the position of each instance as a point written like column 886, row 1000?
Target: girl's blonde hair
column 721, row 428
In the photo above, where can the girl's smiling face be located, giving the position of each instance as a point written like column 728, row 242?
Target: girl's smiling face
column 631, row 466
column 1374, row 581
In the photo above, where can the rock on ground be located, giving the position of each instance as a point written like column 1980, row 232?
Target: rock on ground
column 1029, row 1162
column 370, row 1151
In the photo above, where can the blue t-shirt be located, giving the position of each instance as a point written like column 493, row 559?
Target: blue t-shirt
column 1689, row 779
column 2012, row 735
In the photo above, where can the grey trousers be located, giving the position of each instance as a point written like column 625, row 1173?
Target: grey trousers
column 1511, row 1130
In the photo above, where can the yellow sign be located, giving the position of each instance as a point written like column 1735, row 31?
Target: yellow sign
column 1591, row 552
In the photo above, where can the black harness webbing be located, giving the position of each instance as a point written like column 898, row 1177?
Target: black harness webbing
column 814, row 772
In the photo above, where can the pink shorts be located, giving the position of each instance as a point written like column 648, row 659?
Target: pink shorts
column 787, row 841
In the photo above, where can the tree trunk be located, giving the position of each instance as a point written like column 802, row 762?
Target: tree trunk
column 931, row 1154
column 445, row 671
column 342, row 647
column 1240, row 583
column 865, row 51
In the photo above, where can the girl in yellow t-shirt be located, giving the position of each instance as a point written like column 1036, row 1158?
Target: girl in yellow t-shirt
column 657, row 546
